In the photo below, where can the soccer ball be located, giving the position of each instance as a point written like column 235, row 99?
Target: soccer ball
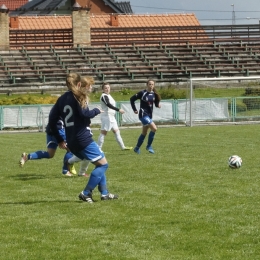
column 234, row 161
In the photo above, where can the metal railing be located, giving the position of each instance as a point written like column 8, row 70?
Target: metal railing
column 62, row 38
column 175, row 111
column 59, row 38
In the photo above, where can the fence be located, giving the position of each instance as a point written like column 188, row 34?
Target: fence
column 172, row 112
column 173, row 34
column 62, row 38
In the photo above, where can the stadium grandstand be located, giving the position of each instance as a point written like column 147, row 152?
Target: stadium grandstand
column 41, row 41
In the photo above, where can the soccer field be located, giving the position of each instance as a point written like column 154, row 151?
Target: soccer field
column 183, row 202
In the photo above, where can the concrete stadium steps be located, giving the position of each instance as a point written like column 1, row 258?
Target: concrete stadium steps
column 164, row 63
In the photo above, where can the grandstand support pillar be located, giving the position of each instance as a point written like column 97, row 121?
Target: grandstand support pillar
column 4, row 28
column 81, row 26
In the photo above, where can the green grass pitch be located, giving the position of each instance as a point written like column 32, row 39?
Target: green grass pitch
column 183, row 202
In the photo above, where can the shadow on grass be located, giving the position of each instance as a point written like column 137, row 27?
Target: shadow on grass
column 34, row 202
column 27, row 177
column 44, row 201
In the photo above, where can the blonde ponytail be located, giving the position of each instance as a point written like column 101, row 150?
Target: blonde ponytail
column 77, row 86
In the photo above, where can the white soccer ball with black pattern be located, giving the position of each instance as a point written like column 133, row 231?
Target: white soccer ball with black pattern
column 235, row 161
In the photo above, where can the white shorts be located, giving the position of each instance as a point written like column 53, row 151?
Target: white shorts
column 108, row 123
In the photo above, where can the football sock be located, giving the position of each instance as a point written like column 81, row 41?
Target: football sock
column 102, row 186
column 101, row 140
column 84, row 166
column 119, row 139
column 38, row 155
column 150, row 138
column 95, row 178
column 73, row 159
column 140, row 140
column 66, row 157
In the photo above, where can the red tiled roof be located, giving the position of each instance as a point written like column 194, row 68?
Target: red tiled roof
column 44, row 22
column 151, row 20
column 103, row 21
column 13, row 4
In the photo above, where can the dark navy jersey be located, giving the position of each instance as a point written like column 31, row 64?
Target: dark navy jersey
column 60, row 128
column 76, row 121
column 147, row 99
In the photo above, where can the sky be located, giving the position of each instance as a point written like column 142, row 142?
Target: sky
column 208, row 12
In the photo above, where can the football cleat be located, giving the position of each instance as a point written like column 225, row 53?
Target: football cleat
column 109, row 196
column 85, row 198
column 150, row 149
column 68, row 174
column 72, row 169
column 137, row 150
column 128, row 148
column 83, row 175
column 24, row 159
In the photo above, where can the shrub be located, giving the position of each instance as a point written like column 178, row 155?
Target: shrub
column 241, row 107
column 254, row 102
column 172, row 93
column 252, row 92
column 28, row 100
column 125, row 91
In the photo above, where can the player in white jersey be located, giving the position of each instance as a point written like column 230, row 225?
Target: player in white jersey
column 108, row 120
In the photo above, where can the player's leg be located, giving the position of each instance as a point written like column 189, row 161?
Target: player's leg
column 140, row 141
column 74, row 159
column 70, row 163
column 51, row 150
column 102, row 187
column 145, row 121
column 151, row 135
column 118, row 137
column 83, row 168
column 67, row 171
column 101, row 138
column 106, row 126
column 67, row 168
column 97, row 176
column 83, row 165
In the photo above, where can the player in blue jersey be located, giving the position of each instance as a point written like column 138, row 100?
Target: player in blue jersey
column 148, row 97
column 73, row 108
column 52, row 145
column 74, row 159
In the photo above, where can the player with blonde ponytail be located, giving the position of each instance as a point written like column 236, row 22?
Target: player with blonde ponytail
column 73, row 108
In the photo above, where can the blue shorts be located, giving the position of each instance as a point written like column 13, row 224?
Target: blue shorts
column 92, row 152
column 51, row 142
column 146, row 120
